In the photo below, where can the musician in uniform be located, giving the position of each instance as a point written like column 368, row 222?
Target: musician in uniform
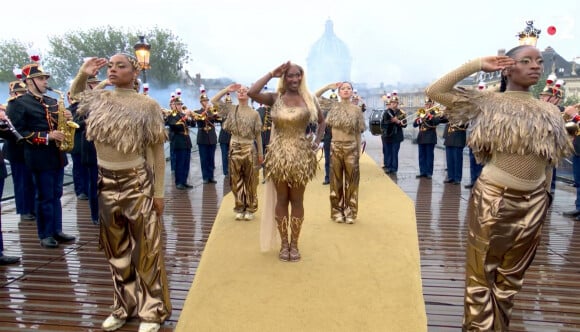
column 179, row 122
column 24, row 190
column 245, row 154
column 553, row 94
column 36, row 117
column 455, row 139
column 326, row 104
column 392, row 125
column 206, row 138
column 224, row 138
column 427, row 123
column 265, row 117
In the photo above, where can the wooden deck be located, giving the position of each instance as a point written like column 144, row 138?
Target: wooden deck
column 69, row 288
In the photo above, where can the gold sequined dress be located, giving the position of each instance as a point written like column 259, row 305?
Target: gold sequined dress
column 290, row 157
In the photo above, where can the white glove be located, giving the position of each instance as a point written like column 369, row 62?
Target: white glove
column 321, row 145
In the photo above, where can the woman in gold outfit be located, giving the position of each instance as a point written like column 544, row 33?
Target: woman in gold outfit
column 291, row 159
column 347, row 122
column 245, row 126
column 518, row 139
column 128, row 131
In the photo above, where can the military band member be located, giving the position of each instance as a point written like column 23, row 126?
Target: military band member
column 392, row 125
column 206, row 138
column 266, row 118
column 427, row 138
column 553, row 93
column 179, row 122
column 24, row 190
column 454, row 140
column 224, row 138
column 35, row 116
column 325, row 105
column 245, row 154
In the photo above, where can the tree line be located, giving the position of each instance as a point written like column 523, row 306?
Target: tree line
column 65, row 54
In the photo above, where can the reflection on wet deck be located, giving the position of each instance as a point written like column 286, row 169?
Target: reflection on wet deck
column 69, row 288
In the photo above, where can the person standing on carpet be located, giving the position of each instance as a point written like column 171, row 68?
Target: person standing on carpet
column 129, row 133
column 347, row 122
column 518, row 139
column 245, row 153
column 291, row 158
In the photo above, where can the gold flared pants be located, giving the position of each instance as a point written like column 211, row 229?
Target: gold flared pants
column 244, row 176
column 344, row 179
column 130, row 233
column 504, row 232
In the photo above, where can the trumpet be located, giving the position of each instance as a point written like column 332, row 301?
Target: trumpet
column 435, row 110
column 572, row 127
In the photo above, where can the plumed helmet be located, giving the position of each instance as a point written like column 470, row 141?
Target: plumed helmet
column 17, row 86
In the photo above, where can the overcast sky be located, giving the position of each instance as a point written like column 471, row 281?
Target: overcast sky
column 411, row 41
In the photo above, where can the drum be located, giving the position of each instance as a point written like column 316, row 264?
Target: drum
column 375, row 121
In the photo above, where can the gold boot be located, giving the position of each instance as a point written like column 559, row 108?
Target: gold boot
column 283, row 230
column 295, row 226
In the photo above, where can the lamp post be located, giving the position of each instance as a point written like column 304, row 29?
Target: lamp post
column 142, row 52
column 530, row 35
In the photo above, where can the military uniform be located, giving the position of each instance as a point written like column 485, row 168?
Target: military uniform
column 35, row 117
column 455, row 140
column 392, row 136
column 179, row 125
column 206, row 142
column 426, row 141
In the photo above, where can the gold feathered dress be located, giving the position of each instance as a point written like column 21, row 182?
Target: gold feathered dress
column 128, row 131
column 519, row 139
column 290, row 157
column 347, row 123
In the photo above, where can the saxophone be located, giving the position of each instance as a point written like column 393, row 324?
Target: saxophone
column 65, row 126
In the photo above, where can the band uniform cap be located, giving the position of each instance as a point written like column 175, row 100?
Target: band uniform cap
column 17, row 86
column 394, row 99
column 176, row 100
column 552, row 91
column 428, row 100
column 203, row 97
column 33, row 70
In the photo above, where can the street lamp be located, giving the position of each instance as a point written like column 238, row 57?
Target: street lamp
column 142, row 52
column 530, row 35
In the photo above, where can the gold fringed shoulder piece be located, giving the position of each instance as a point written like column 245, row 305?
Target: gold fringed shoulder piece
column 126, row 120
column 511, row 122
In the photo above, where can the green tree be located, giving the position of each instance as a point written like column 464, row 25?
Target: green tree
column 13, row 53
column 572, row 100
column 168, row 53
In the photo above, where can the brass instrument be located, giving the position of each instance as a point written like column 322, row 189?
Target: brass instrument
column 572, row 127
column 65, row 126
column 267, row 123
column 402, row 117
column 435, row 110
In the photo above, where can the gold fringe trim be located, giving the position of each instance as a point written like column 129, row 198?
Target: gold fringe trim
column 511, row 122
column 346, row 117
column 123, row 119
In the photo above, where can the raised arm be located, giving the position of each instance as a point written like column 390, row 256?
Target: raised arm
column 441, row 90
column 88, row 68
column 267, row 98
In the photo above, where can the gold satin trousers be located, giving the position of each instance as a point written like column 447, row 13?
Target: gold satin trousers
column 130, row 235
column 344, row 179
column 504, row 232
column 244, row 176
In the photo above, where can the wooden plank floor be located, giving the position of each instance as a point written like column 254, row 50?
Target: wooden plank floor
column 69, row 288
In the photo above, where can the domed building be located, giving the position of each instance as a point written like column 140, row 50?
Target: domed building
column 329, row 60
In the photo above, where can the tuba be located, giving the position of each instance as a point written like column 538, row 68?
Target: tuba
column 65, row 126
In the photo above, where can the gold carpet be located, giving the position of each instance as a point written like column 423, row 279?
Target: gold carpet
column 361, row 277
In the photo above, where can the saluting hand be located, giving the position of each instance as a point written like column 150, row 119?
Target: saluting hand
column 497, row 62
column 281, row 69
column 92, row 65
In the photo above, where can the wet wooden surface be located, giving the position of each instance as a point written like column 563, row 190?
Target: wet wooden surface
column 70, row 288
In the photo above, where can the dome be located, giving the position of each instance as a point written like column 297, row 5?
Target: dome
column 329, row 60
